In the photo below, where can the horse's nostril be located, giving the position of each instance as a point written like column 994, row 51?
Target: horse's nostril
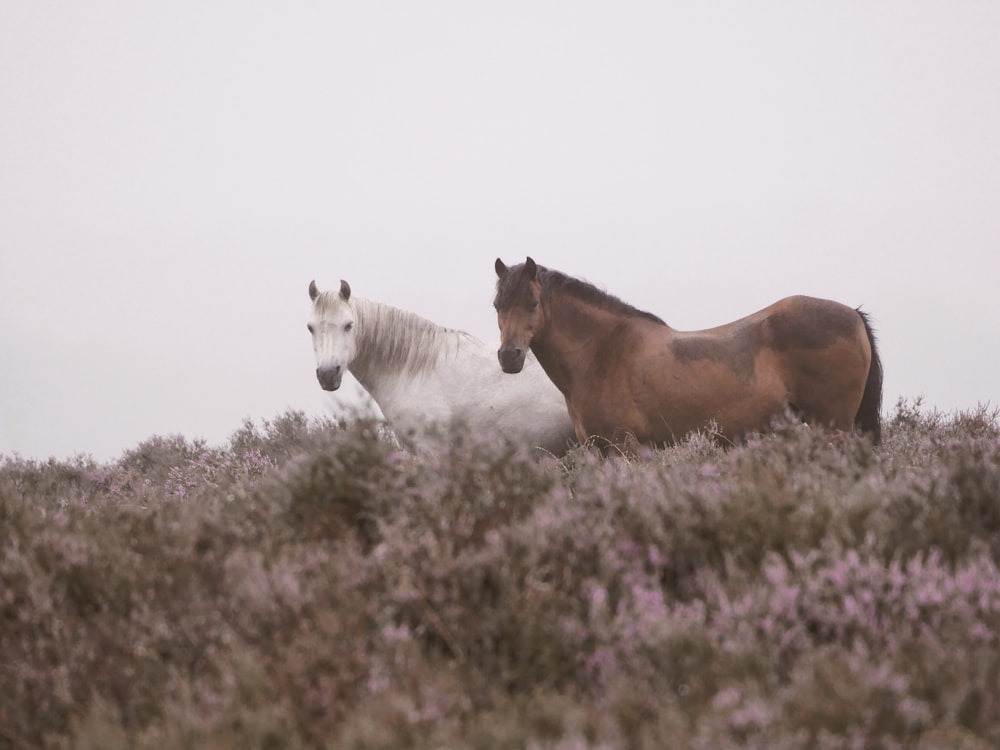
column 329, row 376
column 511, row 360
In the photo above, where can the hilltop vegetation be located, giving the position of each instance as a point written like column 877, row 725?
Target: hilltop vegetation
column 313, row 586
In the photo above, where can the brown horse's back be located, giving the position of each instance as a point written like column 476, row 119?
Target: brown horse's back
column 809, row 354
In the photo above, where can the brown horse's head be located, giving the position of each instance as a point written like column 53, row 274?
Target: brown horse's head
column 519, row 311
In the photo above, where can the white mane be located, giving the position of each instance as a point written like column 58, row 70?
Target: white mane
column 395, row 341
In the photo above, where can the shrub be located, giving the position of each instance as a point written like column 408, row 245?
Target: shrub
column 313, row 585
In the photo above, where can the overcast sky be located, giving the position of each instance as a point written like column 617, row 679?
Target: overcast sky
column 173, row 174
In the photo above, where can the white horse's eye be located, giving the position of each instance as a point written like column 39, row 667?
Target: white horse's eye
column 309, row 327
column 348, row 326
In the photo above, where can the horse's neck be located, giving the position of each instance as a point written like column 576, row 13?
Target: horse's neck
column 575, row 337
column 395, row 347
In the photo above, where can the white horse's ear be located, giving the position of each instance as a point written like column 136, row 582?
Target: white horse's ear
column 501, row 269
column 313, row 291
column 530, row 268
column 345, row 290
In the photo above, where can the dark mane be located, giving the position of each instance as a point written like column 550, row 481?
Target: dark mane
column 514, row 284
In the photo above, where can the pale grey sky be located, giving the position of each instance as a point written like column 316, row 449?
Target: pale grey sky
column 172, row 175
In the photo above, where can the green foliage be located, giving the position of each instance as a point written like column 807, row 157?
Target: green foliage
column 309, row 585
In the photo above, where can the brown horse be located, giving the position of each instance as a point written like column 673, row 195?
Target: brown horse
column 627, row 375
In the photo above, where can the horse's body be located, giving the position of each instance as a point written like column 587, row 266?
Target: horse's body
column 420, row 373
column 627, row 375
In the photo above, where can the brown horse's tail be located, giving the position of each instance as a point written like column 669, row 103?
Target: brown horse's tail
column 869, row 416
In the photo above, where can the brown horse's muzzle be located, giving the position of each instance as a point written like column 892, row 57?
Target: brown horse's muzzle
column 329, row 377
column 511, row 359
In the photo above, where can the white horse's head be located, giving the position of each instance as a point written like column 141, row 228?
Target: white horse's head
column 333, row 335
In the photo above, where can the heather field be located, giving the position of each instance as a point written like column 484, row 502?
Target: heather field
column 309, row 586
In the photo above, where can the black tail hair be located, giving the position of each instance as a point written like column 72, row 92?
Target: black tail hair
column 869, row 417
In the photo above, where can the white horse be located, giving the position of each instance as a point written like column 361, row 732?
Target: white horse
column 420, row 373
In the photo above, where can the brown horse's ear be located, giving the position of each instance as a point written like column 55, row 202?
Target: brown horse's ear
column 313, row 291
column 345, row 290
column 531, row 269
column 501, row 269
